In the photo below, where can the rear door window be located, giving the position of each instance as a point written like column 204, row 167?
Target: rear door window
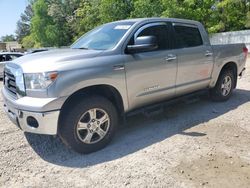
column 187, row 36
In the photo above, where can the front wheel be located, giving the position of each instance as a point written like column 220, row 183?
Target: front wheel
column 88, row 125
column 224, row 86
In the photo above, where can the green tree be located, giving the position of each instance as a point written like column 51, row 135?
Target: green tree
column 113, row 10
column 203, row 11
column 23, row 25
column 8, row 38
column 43, row 28
column 63, row 15
column 232, row 15
column 92, row 13
column 59, row 22
column 28, row 42
column 216, row 15
column 87, row 16
column 248, row 20
column 146, row 8
column 40, row 24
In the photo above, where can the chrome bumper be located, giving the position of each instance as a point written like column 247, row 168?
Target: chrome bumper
column 33, row 122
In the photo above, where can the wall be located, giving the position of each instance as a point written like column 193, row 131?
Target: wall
column 2, row 46
column 10, row 46
column 231, row 37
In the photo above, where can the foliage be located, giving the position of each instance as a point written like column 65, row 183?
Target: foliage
column 8, row 38
column 60, row 22
column 146, row 8
column 23, row 25
column 232, row 14
column 28, row 42
column 217, row 16
column 87, row 16
column 248, row 20
column 112, row 10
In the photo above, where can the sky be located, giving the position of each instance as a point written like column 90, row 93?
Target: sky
column 10, row 11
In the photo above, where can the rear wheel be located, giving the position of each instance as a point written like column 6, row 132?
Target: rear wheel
column 88, row 125
column 224, row 86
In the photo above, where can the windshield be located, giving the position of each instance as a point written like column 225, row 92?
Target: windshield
column 104, row 37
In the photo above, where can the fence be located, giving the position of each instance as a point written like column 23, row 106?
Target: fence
column 231, row 38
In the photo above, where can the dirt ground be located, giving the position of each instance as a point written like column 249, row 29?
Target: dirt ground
column 197, row 143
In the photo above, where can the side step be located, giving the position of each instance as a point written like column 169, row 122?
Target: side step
column 153, row 111
column 158, row 108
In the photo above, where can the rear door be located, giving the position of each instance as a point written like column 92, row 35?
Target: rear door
column 195, row 59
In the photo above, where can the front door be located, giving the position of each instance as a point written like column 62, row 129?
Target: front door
column 151, row 75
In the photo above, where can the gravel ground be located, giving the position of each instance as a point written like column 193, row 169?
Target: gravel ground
column 197, row 143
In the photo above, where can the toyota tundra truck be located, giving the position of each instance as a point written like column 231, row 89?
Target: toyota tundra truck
column 81, row 93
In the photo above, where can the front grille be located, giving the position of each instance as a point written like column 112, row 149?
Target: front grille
column 10, row 82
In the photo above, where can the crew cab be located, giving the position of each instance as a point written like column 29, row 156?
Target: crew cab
column 82, row 92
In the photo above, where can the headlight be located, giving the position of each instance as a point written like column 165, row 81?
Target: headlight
column 19, row 81
column 35, row 81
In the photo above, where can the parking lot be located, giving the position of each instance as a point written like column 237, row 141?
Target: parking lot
column 197, row 143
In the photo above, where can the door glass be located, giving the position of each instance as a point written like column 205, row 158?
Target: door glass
column 2, row 58
column 161, row 32
column 8, row 58
column 187, row 36
column 14, row 56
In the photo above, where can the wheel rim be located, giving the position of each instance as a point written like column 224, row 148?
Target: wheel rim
column 93, row 126
column 226, row 86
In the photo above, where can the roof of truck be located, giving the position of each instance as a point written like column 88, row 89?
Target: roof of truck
column 160, row 19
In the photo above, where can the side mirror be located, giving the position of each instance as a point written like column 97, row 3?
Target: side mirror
column 143, row 44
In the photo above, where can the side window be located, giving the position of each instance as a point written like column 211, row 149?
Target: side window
column 8, row 58
column 3, row 58
column 161, row 32
column 14, row 56
column 187, row 36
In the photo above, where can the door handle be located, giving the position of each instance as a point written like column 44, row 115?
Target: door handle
column 171, row 57
column 208, row 53
column 118, row 67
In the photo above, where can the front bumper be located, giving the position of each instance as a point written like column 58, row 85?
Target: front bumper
column 31, row 121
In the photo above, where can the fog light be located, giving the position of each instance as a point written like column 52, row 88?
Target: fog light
column 32, row 122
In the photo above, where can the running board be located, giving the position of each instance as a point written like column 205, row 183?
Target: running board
column 157, row 108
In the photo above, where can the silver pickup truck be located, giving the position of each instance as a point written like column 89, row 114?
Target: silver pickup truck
column 81, row 93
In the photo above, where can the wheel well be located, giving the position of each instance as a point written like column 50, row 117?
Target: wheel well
column 231, row 66
column 106, row 91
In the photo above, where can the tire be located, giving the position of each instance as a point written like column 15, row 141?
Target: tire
column 79, row 128
column 218, row 92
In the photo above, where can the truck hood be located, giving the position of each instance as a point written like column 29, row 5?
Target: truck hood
column 53, row 59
